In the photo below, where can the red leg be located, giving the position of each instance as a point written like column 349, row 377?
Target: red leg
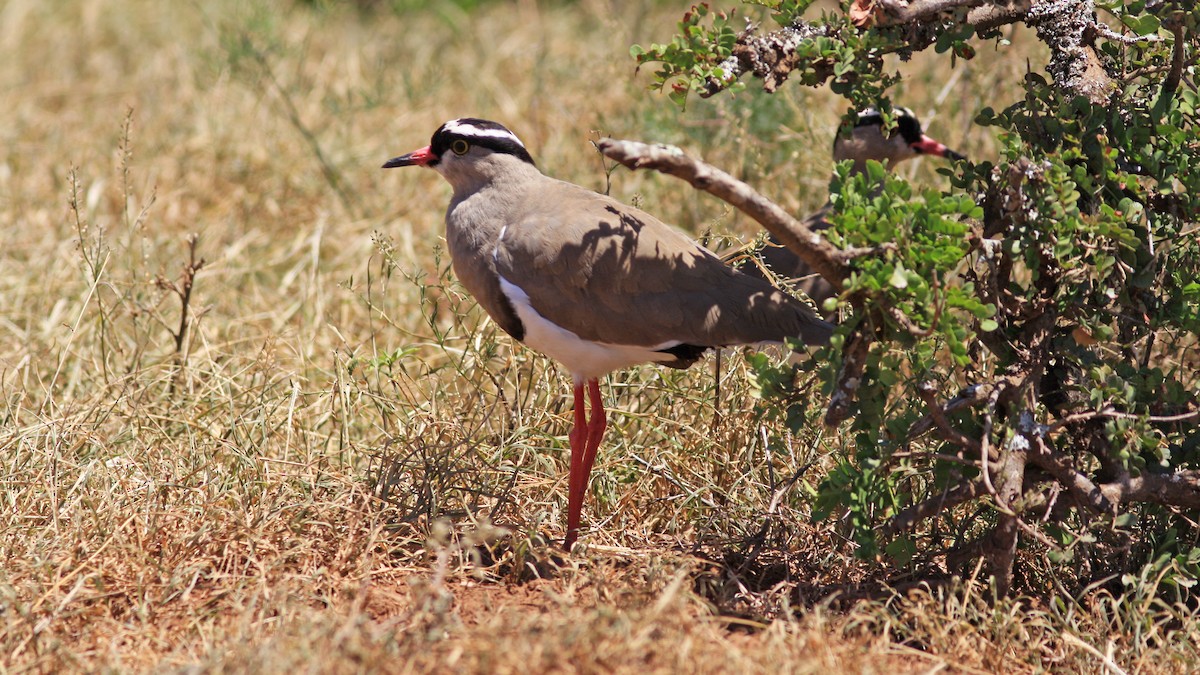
column 577, row 480
column 595, row 429
column 585, row 440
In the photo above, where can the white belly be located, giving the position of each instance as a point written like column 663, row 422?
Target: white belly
column 585, row 359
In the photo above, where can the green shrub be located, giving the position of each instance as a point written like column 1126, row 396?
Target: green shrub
column 1017, row 361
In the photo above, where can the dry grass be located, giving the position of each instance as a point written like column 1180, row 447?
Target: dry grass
column 260, row 498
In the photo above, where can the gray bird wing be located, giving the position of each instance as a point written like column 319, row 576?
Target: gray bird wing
column 612, row 273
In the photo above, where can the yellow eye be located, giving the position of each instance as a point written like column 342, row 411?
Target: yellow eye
column 460, row 147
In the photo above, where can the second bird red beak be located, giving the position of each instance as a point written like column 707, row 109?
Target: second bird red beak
column 928, row 146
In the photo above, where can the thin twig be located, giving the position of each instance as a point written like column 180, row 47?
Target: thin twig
column 1115, row 414
column 940, row 456
column 183, row 289
column 852, row 253
column 1109, row 34
column 928, row 391
column 907, row 324
column 909, row 517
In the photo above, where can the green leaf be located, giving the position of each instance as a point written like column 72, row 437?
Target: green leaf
column 902, row 550
column 1144, row 24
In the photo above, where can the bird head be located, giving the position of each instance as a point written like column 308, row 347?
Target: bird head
column 467, row 151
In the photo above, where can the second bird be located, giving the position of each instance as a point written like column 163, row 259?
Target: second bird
column 590, row 282
column 866, row 141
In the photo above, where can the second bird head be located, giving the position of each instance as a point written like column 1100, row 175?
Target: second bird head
column 907, row 140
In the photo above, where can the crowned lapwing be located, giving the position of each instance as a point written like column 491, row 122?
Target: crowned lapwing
column 588, row 281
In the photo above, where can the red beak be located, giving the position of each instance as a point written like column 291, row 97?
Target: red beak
column 420, row 157
column 928, row 146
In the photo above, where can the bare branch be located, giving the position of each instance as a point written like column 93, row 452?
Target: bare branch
column 939, row 456
column 907, row 323
column 849, row 378
column 927, row 391
column 187, row 282
column 771, row 57
column 1057, row 465
column 909, row 517
column 1180, row 490
column 985, row 451
column 1107, row 33
column 967, row 397
column 988, row 17
column 1171, row 84
column 894, row 12
column 1108, row 412
column 810, row 246
column 1068, row 27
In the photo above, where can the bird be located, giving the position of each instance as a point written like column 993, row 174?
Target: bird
column 866, row 141
column 592, row 283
